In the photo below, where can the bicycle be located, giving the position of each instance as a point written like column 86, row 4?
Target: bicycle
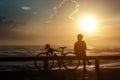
column 67, row 64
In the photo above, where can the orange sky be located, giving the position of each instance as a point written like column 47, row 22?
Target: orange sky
column 57, row 24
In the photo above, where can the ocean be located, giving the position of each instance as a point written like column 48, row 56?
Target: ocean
column 32, row 51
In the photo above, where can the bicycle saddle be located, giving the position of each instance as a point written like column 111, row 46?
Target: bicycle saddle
column 63, row 47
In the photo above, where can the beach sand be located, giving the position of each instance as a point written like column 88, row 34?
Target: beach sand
column 103, row 74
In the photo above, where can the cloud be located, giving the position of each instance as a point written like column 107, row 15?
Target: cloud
column 26, row 8
column 77, row 5
column 57, row 8
column 35, row 13
column 9, row 28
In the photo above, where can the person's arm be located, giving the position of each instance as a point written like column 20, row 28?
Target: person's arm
column 85, row 46
column 75, row 47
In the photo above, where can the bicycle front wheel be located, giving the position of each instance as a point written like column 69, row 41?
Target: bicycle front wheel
column 71, row 64
column 40, row 64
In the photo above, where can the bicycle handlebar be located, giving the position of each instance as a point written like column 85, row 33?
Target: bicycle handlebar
column 63, row 47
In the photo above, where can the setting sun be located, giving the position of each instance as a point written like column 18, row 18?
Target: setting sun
column 87, row 24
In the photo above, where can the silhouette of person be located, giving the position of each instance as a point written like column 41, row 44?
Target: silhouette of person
column 80, row 50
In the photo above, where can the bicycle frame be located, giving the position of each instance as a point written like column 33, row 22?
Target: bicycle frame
column 50, row 53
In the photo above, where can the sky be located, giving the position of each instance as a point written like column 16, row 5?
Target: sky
column 38, row 22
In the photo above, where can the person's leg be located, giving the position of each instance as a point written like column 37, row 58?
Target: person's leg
column 84, row 65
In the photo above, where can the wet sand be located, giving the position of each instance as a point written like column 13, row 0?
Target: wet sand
column 103, row 74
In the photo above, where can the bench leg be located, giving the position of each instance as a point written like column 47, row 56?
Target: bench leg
column 97, row 64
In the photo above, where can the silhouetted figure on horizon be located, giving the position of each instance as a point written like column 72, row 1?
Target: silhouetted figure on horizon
column 80, row 50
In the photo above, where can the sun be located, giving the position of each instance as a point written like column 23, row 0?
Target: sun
column 87, row 24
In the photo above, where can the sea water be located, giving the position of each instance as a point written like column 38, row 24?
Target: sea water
column 32, row 51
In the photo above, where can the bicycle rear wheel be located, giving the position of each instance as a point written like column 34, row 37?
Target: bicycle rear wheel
column 71, row 64
column 40, row 64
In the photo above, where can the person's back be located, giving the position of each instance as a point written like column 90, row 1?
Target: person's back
column 80, row 47
column 80, row 50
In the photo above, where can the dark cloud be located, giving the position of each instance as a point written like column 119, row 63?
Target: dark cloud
column 14, row 36
column 8, row 30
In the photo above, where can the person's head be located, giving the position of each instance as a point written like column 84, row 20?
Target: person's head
column 79, row 37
